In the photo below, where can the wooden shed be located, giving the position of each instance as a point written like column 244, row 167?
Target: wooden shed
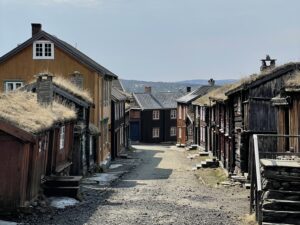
column 35, row 140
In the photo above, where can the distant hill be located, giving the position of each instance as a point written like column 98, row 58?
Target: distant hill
column 204, row 82
column 138, row 85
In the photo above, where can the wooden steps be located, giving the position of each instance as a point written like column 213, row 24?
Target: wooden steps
column 281, row 194
column 62, row 186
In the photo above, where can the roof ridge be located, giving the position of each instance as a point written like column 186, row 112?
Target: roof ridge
column 155, row 99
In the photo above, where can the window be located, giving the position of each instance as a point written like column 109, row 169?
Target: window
column 155, row 132
column 173, row 131
column 62, row 137
column 43, row 50
column 179, row 132
column 12, row 85
column 155, row 114
column 173, row 114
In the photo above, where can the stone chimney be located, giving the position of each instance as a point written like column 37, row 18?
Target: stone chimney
column 211, row 82
column 188, row 89
column 77, row 79
column 36, row 28
column 267, row 63
column 147, row 89
column 44, row 89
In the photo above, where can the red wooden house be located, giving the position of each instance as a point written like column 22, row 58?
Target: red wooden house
column 36, row 142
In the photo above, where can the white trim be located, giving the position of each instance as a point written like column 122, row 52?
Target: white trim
column 155, row 115
column 43, row 43
column 62, row 137
column 14, row 85
column 173, row 114
column 173, row 131
column 155, row 132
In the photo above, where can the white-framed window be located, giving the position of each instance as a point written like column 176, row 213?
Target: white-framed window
column 155, row 114
column 12, row 85
column 62, row 137
column 179, row 132
column 155, row 132
column 173, row 131
column 173, row 114
column 43, row 50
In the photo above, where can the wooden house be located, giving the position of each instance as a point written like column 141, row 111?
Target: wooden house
column 46, row 52
column 288, row 114
column 250, row 98
column 186, row 116
column 71, row 93
column 118, row 129
column 155, row 117
column 36, row 138
column 214, row 125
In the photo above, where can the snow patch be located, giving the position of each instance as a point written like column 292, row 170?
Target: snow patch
column 2, row 222
column 62, row 202
column 114, row 166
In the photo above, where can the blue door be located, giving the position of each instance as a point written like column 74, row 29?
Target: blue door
column 135, row 131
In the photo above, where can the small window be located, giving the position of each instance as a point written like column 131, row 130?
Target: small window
column 43, row 50
column 62, row 137
column 173, row 114
column 155, row 114
column 155, row 132
column 173, row 131
column 179, row 132
column 12, row 85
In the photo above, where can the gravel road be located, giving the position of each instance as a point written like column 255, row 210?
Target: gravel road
column 161, row 189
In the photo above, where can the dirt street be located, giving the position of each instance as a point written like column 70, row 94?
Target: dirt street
column 162, row 189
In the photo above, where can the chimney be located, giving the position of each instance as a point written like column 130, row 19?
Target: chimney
column 188, row 89
column 44, row 89
column 267, row 63
column 36, row 28
column 148, row 89
column 77, row 79
column 211, row 82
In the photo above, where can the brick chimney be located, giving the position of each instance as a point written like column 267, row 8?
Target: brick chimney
column 267, row 63
column 188, row 89
column 77, row 79
column 147, row 89
column 36, row 28
column 211, row 82
column 44, row 88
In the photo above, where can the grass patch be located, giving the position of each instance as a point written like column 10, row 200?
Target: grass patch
column 211, row 176
column 249, row 220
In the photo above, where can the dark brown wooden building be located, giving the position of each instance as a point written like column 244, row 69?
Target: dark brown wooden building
column 214, row 112
column 36, row 142
column 250, row 98
column 155, row 118
column 288, row 114
column 119, row 129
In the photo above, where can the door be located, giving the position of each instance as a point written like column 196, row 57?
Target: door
column 135, row 131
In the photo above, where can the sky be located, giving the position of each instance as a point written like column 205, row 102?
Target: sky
column 163, row 40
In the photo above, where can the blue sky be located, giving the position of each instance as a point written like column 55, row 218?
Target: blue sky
column 163, row 40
